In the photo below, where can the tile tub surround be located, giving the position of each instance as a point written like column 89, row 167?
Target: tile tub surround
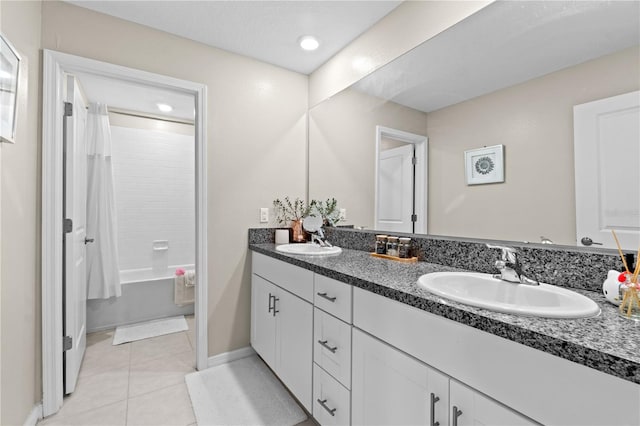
column 607, row 343
column 571, row 267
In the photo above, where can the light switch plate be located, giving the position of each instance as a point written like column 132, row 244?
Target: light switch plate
column 264, row 215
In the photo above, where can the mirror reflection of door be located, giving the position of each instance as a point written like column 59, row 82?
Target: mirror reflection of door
column 397, row 187
column 400, row 181
column 607, row 151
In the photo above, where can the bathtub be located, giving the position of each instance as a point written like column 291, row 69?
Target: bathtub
column 146, row 295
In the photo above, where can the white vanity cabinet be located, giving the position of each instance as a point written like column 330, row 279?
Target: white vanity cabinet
column 497, row 373
column 354, row 357
column 282, row 322
column 390, row 387
column 471, row 408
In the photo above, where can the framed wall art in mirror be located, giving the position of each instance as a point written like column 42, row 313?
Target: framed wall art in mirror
column 9, row 74
column 484, row 165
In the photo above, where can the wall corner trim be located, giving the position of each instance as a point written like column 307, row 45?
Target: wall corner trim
column 227, row 357
column 34, row 415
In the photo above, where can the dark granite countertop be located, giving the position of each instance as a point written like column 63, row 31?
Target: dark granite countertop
column 607, row 342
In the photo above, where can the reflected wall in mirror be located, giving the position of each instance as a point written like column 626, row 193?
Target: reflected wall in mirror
column 509, row 74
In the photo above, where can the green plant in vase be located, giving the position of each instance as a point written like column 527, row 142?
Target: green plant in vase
column 289, row 213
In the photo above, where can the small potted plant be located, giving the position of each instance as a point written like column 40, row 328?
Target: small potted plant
column 291, row 213
column 328, row 211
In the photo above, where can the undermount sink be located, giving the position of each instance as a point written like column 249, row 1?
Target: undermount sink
column 485, row 291
column 308, row 249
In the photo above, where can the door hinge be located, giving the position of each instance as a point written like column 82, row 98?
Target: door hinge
column 414, row 161
column 68, row 226
column 67, row 343
column 68, row 109
column 414, row 218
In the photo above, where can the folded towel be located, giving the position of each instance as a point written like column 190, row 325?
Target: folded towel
column 184, row 288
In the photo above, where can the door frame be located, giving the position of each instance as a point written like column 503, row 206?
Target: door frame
column 54, row 65
column 421, row 185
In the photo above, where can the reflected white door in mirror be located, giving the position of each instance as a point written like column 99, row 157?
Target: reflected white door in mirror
column 607, row 170
column 400, row 181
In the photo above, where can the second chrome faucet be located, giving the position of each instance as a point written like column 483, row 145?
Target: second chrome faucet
column 510, row 267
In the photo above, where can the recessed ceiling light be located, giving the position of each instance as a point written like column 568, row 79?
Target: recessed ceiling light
column 164, row 107
column 309, row 42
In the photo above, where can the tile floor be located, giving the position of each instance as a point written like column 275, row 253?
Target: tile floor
column 137, row 383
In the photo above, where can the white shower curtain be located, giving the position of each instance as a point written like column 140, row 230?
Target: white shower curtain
column 103, row 271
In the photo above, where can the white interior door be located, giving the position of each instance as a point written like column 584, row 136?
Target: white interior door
column 395, row 189
column 607, row 171
column 75, row 212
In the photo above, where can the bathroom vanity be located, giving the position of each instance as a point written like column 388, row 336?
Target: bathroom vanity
column 357, row 341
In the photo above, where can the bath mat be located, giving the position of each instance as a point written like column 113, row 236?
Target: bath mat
column 153, row 328
column 241, row 392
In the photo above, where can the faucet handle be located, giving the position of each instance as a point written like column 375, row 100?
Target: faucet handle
column 508, row 253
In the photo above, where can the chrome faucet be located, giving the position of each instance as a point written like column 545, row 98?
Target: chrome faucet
column 509, row 266
column 318, row 237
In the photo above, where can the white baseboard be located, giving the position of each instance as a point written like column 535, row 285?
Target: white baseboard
column 230, row 356
column 34, row 415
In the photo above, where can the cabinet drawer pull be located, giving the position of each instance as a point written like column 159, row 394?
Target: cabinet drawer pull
column 324, row 345
column 275, row 311
column 271, row 307
column 434, row 399
column 456, row 413
column 324, row 296
column 331, row 411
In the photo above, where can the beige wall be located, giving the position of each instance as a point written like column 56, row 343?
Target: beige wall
column 534, row 121
column 20, row 226
column 342, row 135
column 256, row 139
column 404, row 28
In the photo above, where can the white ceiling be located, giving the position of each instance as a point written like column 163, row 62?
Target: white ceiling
column 505, row 43
column 264, row 30
column 136, row 97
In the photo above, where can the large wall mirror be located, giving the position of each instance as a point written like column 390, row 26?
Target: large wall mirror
column 508, row 75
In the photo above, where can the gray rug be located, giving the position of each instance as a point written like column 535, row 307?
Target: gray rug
column 242, row 392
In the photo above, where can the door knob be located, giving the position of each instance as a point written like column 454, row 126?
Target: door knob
column 89, row 240
column 586, row 241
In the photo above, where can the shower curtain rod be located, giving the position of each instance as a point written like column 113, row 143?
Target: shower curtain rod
column 147, row 115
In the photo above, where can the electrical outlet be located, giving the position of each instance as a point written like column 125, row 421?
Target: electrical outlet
column 343, row 214
column 264, row 215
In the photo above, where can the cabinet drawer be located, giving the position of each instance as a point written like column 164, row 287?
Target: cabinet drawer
column 292, row 278
column 331, row 400
column 332, row 346
column 332, row 296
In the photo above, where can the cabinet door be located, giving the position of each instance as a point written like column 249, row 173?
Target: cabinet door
column 294, row 333
column 389, row 387
column 263, row 322
column 470, row 407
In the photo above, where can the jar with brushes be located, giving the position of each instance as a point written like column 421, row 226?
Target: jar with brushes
column 381, row 244
column 404, row 248
column 392, row 246
column 630, row 287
